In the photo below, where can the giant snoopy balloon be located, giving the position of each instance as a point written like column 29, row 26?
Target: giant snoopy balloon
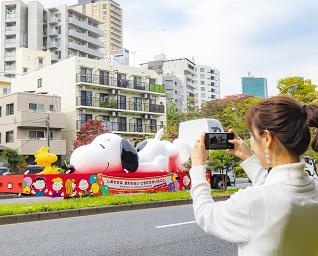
column 109, row 152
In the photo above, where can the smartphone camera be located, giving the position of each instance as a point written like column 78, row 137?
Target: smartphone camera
column 218, row 140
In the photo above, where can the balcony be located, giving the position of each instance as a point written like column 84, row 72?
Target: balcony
column 121, row 83
column 10, row 42
column 52, row 32
column 9, row 68
column 53, row 45
column 85, row 37
column 53, row 20
column 27, row 119
column 125, row 127
column 85, row 25
column 10, row 29
column 114, row 104
column 29, row 146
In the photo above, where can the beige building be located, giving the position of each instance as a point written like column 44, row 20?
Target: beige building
column 29, row 60
column 29, row 121
column 5, row 85
column 109, row 13
column 129, row 100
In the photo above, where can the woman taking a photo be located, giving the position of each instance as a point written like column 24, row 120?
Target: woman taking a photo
column 278, row 215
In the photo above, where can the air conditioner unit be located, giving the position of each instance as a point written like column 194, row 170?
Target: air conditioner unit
column 146, row 96
column 113, row 91
column 145, row 116
column 114, row 114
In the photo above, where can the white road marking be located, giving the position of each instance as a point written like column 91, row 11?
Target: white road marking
column 176, row 224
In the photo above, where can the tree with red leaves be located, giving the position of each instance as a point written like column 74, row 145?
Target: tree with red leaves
column 89, row 131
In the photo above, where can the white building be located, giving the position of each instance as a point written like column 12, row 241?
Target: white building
column 184, row 69
column 208, row 84
column 61, row 30
column 174, row 90
column 109, row 13
column 129, row 100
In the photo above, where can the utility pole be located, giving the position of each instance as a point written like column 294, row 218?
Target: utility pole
column 48, row 130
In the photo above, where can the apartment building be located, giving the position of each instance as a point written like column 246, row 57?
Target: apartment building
column 61, row 30
column 173, row 86
column 109, row 13
column 198, row 83
column 184, row 69
column 130, row 101
column 208, row 84
column 29, row 121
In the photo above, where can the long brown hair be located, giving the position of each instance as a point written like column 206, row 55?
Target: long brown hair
column 287, row 120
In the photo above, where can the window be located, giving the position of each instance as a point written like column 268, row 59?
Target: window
column 86, row 75
column 202, row 76
column 25, row 71
column 36, row 135
column 152, row 81
column 9, row 137
column 36, row 107
column 138, row 104
column 104, row 6
column 202, row 82
column 39, row 82
column 202, row 89
column 0, row 113
column 0, row 138
column 137, row 82
column 51, row 135
column 103, row 77
column 9, row 109
column 40, row 63
column 202, row 95
column 6, row 91
column 201, row 70
column 51, row 107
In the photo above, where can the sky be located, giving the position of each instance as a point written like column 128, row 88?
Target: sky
column 268, row 38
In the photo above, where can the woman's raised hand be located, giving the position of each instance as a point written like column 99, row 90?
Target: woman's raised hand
column 241, row 150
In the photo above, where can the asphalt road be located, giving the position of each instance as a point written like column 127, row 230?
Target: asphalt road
column 139, row 232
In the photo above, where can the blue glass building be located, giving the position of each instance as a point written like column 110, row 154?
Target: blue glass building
column 254, row 86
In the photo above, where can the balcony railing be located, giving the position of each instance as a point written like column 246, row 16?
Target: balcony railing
column 10, row 15
column 9, row 54
column 10, row 28
column 123, row 83
column 125, row 127
column 122, row 105
column 10, row 41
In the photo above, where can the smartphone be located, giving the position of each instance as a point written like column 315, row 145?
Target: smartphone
column 218, row 140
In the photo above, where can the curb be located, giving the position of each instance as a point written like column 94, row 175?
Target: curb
column 13, row 219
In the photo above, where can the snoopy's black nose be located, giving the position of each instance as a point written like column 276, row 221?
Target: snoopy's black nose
column 129, row 156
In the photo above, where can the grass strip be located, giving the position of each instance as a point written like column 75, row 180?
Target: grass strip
column 76, row 203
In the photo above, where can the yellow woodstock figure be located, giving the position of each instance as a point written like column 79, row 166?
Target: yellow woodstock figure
column 44, row 159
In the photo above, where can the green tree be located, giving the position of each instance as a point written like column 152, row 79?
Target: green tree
column 13, row 158
column 173, row 120
column 220, row 160
column 298, row 88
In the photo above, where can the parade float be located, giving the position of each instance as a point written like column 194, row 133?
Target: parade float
column 110, row 164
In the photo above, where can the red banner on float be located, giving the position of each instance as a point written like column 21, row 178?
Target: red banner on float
column 79, row 185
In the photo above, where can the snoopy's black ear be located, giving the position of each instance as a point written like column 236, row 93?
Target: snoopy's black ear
column 129, row 156
column 141, row 145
